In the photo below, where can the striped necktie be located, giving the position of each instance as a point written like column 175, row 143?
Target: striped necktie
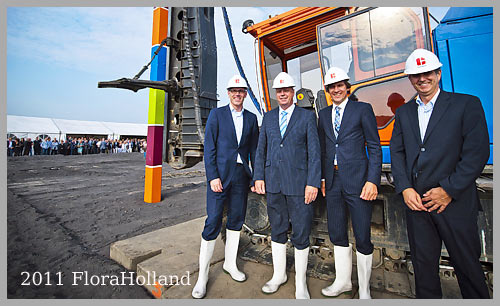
column 337, row 121
column 283, row 123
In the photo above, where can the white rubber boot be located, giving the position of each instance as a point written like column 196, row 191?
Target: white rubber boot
column 364, row 273
column 279, row 266
column 301, row 258
column 343, row 270
column 231, row 251
column 206, row 251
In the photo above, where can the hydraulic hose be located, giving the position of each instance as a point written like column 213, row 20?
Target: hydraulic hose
column 237, row 59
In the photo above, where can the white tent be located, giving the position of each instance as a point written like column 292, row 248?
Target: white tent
column 31, row 127
column 79, row 127
column 126, row 129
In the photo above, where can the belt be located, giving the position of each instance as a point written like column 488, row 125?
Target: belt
column 336, row 167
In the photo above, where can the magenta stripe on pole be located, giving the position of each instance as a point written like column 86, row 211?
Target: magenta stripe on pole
column 154, row 152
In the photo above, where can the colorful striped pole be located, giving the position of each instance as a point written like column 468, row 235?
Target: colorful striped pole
column 152, row 186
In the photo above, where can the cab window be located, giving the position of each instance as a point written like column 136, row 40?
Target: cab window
column 306, row 72
column 386, row 97
column 273, row 68
column 373, row 43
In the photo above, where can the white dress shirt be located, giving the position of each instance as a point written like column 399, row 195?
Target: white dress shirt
column 425, row 112
column 342, row 107
column 238, row 125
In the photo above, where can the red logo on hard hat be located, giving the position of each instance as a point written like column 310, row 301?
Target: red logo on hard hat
column 281, row 81
column 420, row 61
column 332, row 75
column 237, row 81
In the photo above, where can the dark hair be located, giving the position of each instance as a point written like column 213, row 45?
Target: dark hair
column 347, row 84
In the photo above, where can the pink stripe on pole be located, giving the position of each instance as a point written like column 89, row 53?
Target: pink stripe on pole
column 155, row 146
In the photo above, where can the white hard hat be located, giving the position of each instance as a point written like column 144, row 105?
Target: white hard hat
column 334, row 75
column 237, row 81
column 283, row 80
column 421, row 61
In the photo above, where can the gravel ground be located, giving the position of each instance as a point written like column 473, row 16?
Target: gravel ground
column 63, row 212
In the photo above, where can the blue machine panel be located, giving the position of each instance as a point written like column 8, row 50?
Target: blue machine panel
column 386, row 155
column 465, row 47
column 459, row 13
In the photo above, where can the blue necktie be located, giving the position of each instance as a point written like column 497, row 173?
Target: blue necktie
column 283, row 123
column 337, row 121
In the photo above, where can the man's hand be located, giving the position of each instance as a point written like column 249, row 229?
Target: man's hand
column 216, row 185
column 369, row 192
column 436, row 198
column 252, row 189
column 413, row 200
column 260, row 187
column 310, row 194
column 323, row 188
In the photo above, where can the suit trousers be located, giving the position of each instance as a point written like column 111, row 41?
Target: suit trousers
column 235, row 197
column 426, row 233
column 282, row 210
column 338, row 202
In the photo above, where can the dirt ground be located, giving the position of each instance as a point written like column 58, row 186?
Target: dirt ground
column 63, row 212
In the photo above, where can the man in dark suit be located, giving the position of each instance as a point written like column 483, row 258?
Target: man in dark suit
column 231, row 136
column 288, row 170
column 66, row 147
column 36, row 146
column 27, row 147
column 9, row 145
column 347, row 130
column 439, row 147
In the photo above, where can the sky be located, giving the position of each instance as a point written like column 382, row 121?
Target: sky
column 57, row 55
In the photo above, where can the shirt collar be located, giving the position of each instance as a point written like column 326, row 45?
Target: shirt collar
column 431, row 102
column 343, row 104
column 289, row 110
column 234, row 111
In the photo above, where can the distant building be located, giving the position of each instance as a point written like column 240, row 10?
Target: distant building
column 32, row 127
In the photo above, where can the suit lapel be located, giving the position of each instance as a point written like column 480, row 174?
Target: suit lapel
column 229, row 118
column 329, row 122
column 440, row 107
column 275, row 121
column 346, row 116
column 414, row 119
column 245, row 127
column 292, row 121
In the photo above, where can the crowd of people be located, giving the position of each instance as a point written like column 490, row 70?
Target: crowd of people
column 73, row 146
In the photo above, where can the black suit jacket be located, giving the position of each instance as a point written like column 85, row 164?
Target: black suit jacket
column 358, row 134
column 452, row 155
column 221, row 145
column 288, row 163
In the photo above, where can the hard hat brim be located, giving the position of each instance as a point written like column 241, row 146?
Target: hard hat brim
column 423, row 70
column 278, row 87
column 330, row 83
